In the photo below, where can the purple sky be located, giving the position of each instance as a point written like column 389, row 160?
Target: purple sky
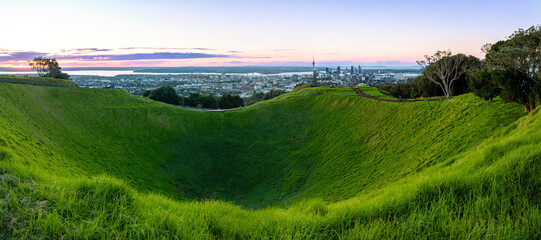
column 213, row 33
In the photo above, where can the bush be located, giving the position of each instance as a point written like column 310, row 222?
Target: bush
column 228, row 101
column 201, row 101
column 261, row 97
column 146, row 93
column 166, row 94
column 481, row 85
column 419, row 87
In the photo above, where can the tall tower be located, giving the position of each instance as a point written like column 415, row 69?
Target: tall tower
column 314, row 77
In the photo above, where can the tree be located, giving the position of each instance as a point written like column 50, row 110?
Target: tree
column 47, row 67
column 201, row 101
column 423, row 87
column 521, row 51
column 228, row 101
column 482, row 85
column 166, row 94
column 444, row 69
column 146, row 93
column 514, row 65
column 517, row 86
column 208, row 101
column 192, row 100
column 419, row 87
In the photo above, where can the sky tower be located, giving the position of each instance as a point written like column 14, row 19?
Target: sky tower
column 314, row 77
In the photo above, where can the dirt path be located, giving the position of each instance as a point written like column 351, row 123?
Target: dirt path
column 361, row 94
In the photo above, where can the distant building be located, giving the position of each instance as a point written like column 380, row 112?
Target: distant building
column 314, row 68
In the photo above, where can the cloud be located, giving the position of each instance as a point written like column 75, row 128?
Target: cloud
column 19, row 56
column 283, row 50
column 234, row 51
column 86, row 50
column 236, row 62
column 142, row 56
column 164, row 48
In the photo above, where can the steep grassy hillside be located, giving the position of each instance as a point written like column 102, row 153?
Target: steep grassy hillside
column 40, row 81
column 376, row 92
column 83, row 163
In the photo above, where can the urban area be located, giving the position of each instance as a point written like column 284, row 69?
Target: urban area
column 246, row 84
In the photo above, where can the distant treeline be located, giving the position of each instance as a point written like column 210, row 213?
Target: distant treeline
column 167, row 94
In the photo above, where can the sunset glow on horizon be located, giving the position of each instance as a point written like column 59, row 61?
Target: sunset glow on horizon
column 246, row 33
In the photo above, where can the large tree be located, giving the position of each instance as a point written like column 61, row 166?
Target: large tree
column 517, row 86
column 47, row 67
column 513, row 65
column 445, row 69
column 521, row 51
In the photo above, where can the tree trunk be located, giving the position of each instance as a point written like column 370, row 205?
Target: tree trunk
column 527, row 107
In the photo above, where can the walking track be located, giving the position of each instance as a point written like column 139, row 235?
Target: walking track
column 358, row 91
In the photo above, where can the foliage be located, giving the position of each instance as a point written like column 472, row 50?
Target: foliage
column 257, row 97
column 521, row 51
column 325, row 166
column 419, row 87
column 228, row 101
column 445, row 69
column 517, row 87
column 146, row 93
column 513, row 65
column 47, row 67
column 166, row 94
column 482, row 84
column 201, row 101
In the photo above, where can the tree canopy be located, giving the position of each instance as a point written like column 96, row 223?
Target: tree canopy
column 521, row 51
column 229, row 101
column 511, row 69
column 445, row 69
column 166, row 94
column 47, row 67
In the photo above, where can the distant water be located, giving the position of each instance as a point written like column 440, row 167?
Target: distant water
column 112, row 73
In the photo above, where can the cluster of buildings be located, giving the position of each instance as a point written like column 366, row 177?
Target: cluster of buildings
column 244, row 85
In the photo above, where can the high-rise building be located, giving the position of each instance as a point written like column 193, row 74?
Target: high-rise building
column 314, row 77
column 352, row 71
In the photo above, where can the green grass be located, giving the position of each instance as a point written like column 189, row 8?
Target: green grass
column 305, row 92
column 102, row 164
column 38, row 81
column 376, row 92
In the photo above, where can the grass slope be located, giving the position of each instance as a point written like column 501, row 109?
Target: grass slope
column 376, row 92
column 82, row 163
column 41, row 81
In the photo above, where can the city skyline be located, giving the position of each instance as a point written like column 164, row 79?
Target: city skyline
column 248, row 33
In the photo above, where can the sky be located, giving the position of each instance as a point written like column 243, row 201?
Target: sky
column 167, row 33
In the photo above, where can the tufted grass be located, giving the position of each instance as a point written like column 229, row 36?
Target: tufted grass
column 102, row 164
